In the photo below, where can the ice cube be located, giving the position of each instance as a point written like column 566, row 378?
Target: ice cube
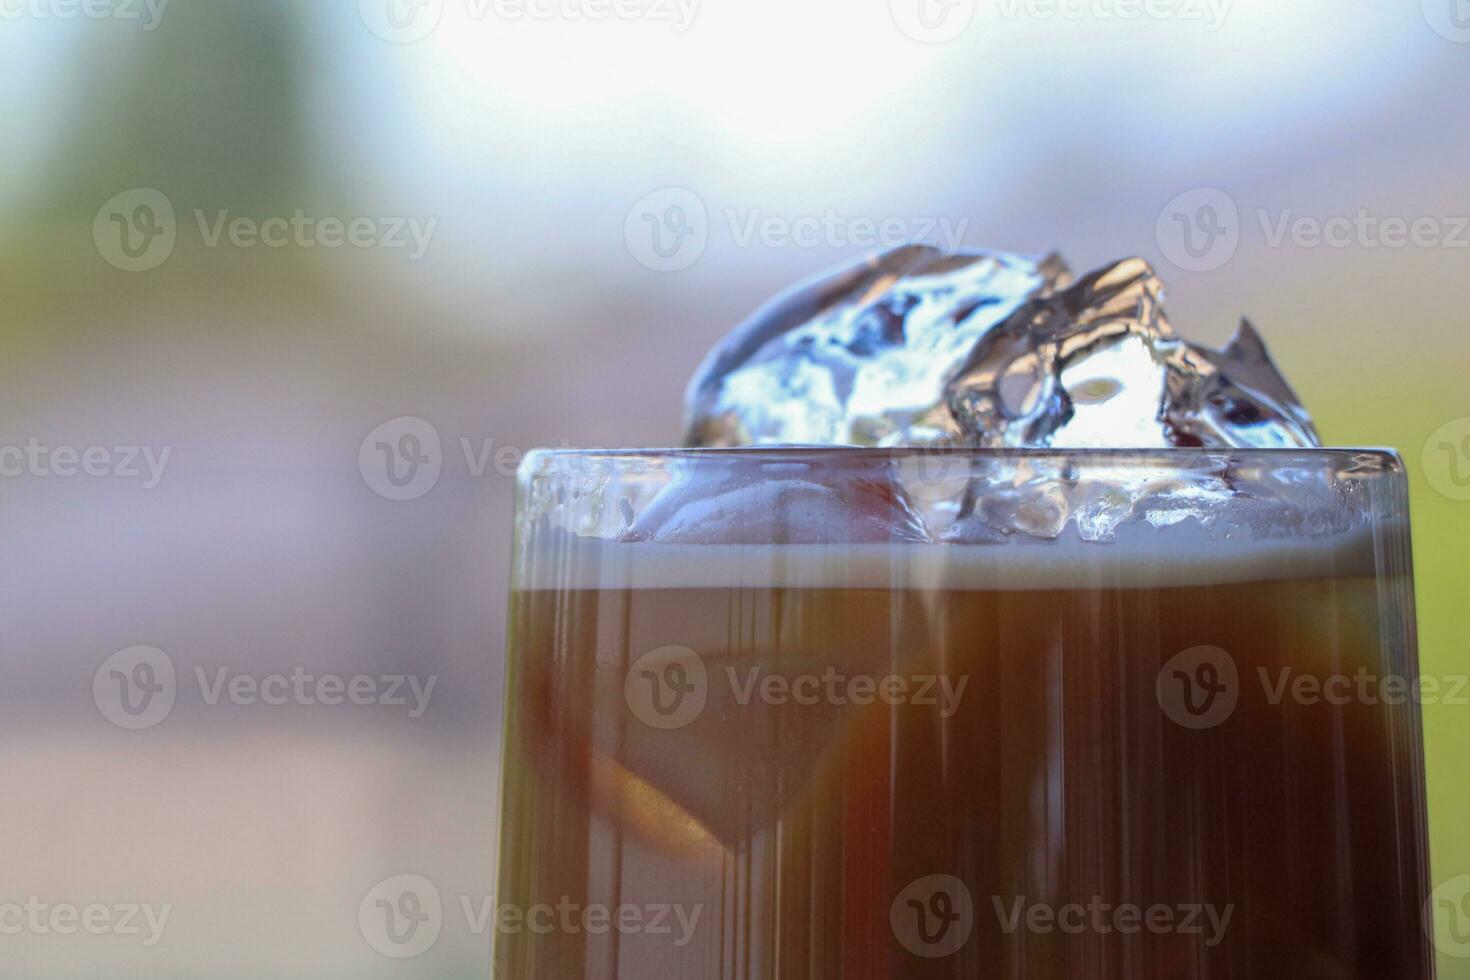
column 917, row 347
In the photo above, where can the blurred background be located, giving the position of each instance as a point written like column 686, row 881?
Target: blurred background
column 236, row 239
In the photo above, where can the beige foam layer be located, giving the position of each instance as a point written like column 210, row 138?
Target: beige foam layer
column 1145, row 557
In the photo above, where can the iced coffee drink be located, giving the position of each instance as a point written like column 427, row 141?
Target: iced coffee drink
column 980, row 702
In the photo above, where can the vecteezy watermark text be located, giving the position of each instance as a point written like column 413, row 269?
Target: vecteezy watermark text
column 1363, row 229
column 307, row 689
column 1286, row 684
column 669, row 687
column 306, row 231
column 670, row 229
column 568, row 917
column 934, row 917
column 1212, row 14
column 1201, row 230
column 831, row 229
column 147, row 13
column 138, row 229
column 36, row 459
column 1099, row 917
column 410, row 21
column 839, row 689
column 39, row 918
column 403, row 917
column 137, row 688
column 1202, row 688
column 939, row 21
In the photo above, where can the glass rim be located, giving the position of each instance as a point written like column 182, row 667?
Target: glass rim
column 797, row 453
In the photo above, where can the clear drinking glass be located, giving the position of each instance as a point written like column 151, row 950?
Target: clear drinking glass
column 801, row 713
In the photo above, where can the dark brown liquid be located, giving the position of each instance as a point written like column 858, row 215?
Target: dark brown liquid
column 1285, row 841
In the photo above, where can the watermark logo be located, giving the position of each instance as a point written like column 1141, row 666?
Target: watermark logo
column 1446, row 459
column 402, row 458
column 148, row 13
column 933, row 21
column 401, row 917
column 667, row 688
column 135, row 688
column 667, row 230
column 1447, row 917
column 35, row 917
column 401, row 21
column 1449, row 18
column 933, row 917
column 404, row 916
column 136, row 230
column 1199, row 230
column 670, row 230
column 936, row 476
column 1199, row 687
